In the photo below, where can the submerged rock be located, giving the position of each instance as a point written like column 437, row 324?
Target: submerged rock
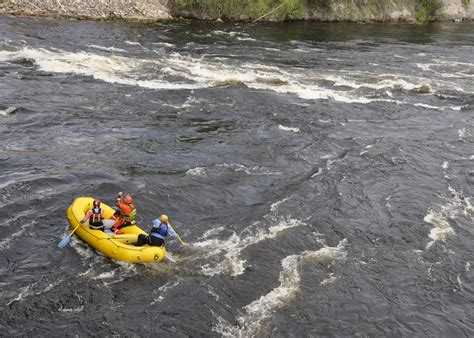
column 425, row 89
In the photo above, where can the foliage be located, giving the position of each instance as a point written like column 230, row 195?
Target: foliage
column 465, row 3
column 272, row 9
column 429, row 10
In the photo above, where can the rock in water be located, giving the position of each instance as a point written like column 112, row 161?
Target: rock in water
column 424, row 89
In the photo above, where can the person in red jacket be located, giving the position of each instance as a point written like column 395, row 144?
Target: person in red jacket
column 127, row 212
column 95, row 216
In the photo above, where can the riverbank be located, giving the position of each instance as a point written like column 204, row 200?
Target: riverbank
column 88, row 9
column 245, row 10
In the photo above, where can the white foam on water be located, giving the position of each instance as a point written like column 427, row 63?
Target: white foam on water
column 109, row 49
column 232, row 247
column 163, row 44
column 459, row 282
column 329, row 163
column 163, row 291
column 368, row 147
column 253, row 170
column 462, row 133
column 119, row 274
column 87, row 272
column 204, row 72
column 133, row 43
column 374, row 81
column 29, row 291
column 467, row 267
column 423, row 105
column 71, row 310
column 295, row 130
column 211, row 232
column 213, row 293
column 329, row 280
column 262, row 309
column 198, row 171
column 445, row 165
column 328, row 156
column 112, row 69
column 274, row 207
column 8, row 111
column 23, row 292
column 7, row 242
column 246, row 39
column 105, row 275
column 83, row 250
column 319, row 172
column 458, row 206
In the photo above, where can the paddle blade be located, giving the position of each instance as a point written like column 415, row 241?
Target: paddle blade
column 64, row 242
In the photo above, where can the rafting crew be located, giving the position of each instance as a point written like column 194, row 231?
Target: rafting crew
column 158, row 233
column 95, row 216
column 125, row 215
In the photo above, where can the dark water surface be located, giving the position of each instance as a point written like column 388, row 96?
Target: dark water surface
column 321, row 193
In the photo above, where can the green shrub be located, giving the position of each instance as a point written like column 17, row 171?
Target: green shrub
column 273, row 9
column 429, row 10
column 465, row 3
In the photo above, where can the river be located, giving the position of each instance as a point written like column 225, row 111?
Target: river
column 320, row 193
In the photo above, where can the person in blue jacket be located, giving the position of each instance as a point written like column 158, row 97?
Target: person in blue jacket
column 158, row 233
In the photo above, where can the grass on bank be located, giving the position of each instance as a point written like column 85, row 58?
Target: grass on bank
column 465, row 3
column 280, row 10
column 276, row 10
column 429, row 10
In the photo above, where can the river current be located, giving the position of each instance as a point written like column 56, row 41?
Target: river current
column 320, row 193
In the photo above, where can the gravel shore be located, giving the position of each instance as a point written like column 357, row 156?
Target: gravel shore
column 88, row 9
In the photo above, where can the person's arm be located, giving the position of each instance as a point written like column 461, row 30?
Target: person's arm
column 86, row 217
column 119, row 199
column 171, row 232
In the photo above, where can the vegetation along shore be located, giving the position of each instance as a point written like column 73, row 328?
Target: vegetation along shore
column 247, row 10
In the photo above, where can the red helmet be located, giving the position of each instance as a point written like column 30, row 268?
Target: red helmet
column 128, row 199
column 96, row 203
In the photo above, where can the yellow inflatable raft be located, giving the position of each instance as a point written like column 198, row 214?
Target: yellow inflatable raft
column 114, row 246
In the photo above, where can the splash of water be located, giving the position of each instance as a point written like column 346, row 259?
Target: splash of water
column 261, row 309
column 458, row 206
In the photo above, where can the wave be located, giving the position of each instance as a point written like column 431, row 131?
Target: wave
column 8, row 111
column 7, row 242
column 75, row 310
column 176, row 71
column 219, row 168
column 230, row 249
column 108, row 49
column 295, row 130
column 112, row 69
column 163, row 291
column 423, row 105
column 32, row 290
column 261, row 309
column 440, row 217
column 223, row 255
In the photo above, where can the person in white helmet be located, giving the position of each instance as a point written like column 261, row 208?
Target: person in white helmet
column 158, row 233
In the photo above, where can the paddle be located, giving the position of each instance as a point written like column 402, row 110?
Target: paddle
column 177, row 236
column 66, row 239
